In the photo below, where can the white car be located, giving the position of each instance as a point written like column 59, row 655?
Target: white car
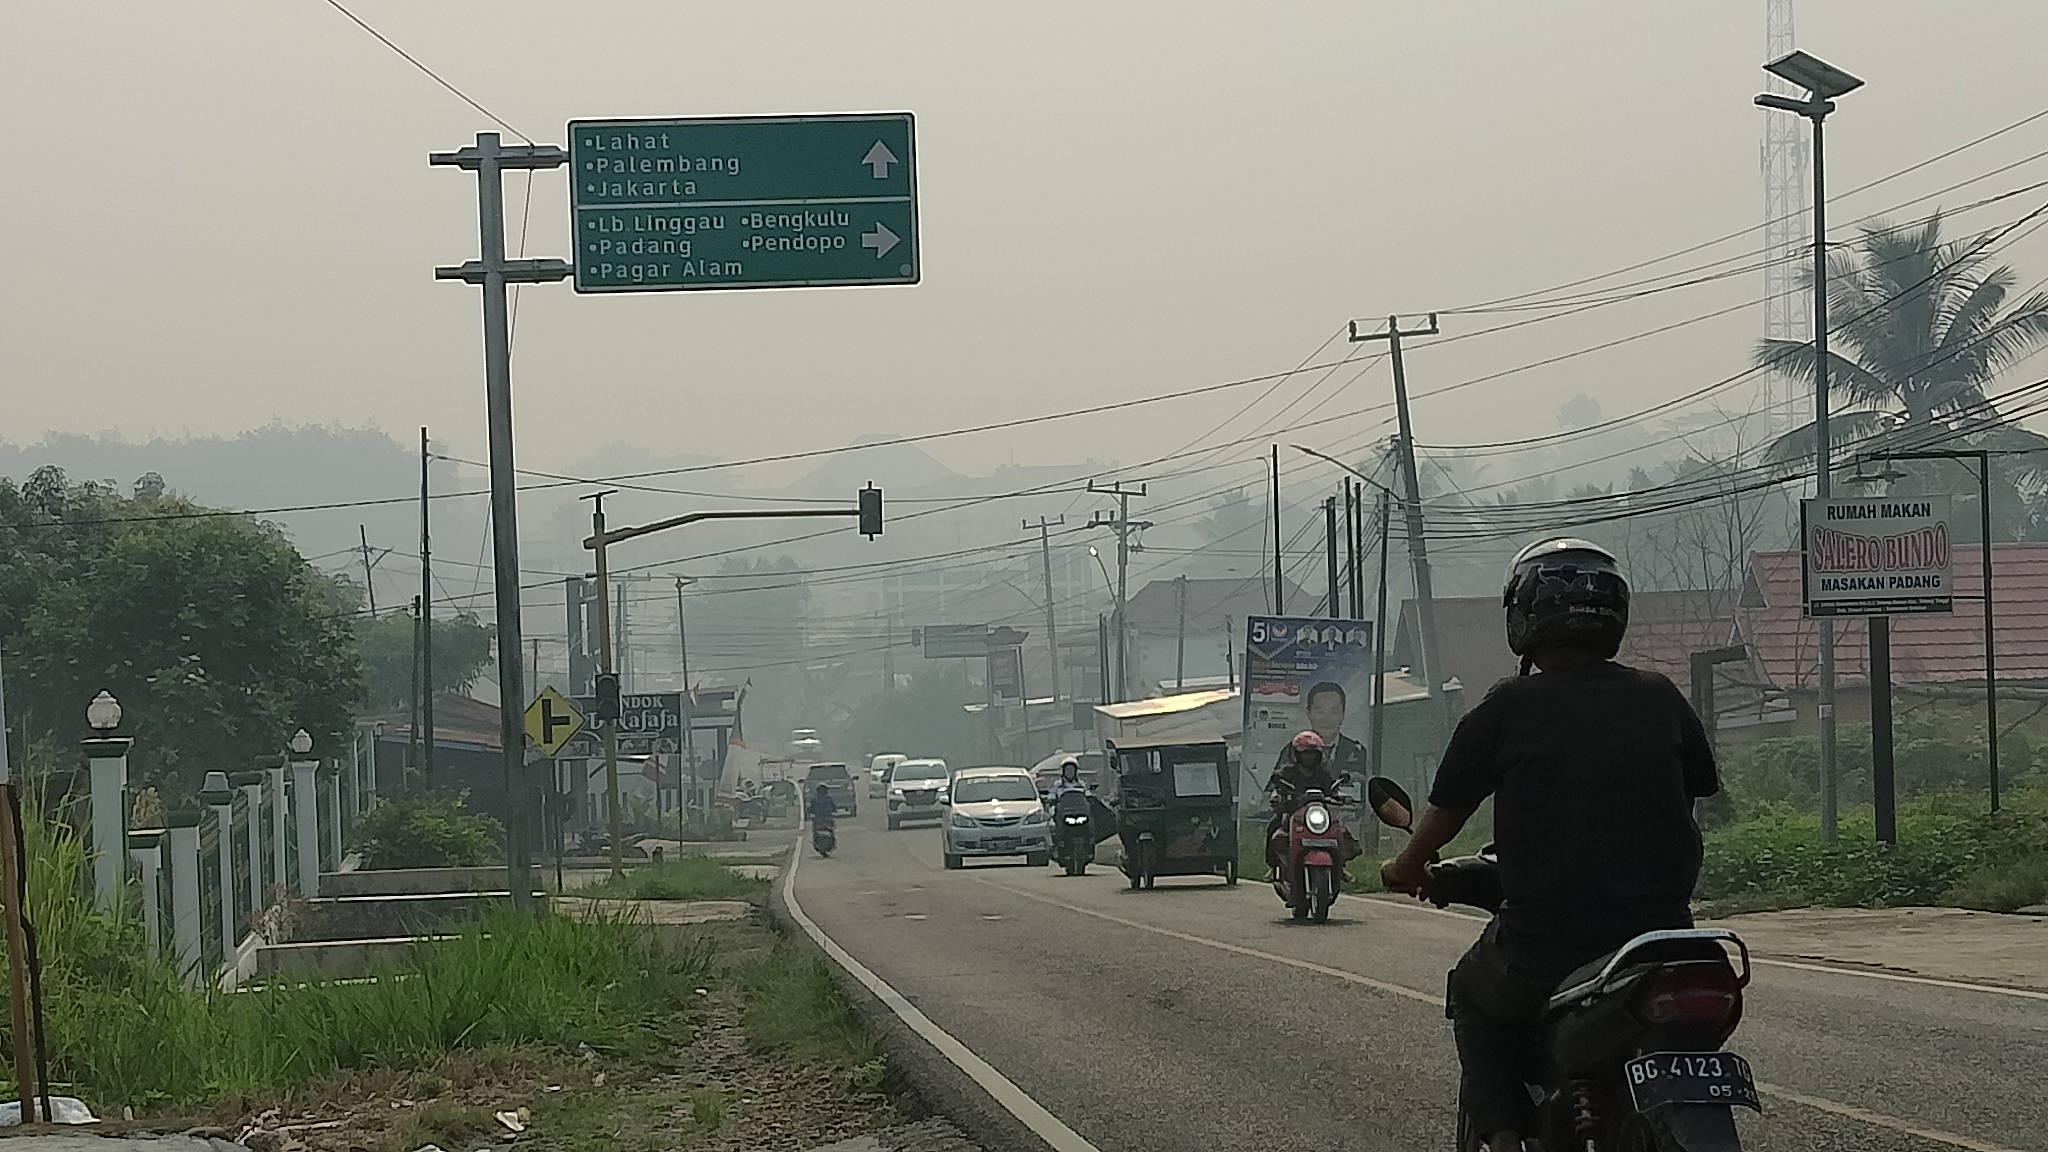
column 917, row 791
column 996, row 812
column 878, row 773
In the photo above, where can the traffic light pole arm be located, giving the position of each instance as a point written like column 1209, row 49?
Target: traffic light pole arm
column 620, row 535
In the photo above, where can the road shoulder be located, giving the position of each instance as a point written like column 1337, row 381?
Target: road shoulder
column 1952, row 944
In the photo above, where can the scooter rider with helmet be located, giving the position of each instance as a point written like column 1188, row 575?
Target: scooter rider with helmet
column 1303, row 766
column 1593, row 767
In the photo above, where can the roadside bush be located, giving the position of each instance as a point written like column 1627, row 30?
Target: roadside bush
column 427, row 830
column 687, row 878
column 1949, row 851
column 1934, row 753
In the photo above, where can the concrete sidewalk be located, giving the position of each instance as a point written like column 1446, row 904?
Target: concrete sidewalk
column 1937, row 943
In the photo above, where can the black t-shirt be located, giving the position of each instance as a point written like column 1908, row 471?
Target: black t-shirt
column 1593, row 769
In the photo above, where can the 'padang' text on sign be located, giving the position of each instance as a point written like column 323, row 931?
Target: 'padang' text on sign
column 1877, row 555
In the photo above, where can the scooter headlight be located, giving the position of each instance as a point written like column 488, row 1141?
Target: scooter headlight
column 1317, row 818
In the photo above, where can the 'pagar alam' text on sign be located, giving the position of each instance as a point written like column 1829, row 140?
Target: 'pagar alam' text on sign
column 1876, row 556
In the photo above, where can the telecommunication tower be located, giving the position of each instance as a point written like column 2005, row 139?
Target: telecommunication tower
column 1788, row 305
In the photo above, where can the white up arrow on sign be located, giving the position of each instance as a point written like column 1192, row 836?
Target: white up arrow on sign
column 878, row 160
column 881, row 240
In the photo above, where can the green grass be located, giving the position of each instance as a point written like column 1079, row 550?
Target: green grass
column 795, row 1007
column 125, row 1031
column 687, row 878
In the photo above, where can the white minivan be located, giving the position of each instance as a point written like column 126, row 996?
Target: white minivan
column 917, row 791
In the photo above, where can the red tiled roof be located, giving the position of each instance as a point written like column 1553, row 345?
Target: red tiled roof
column 1664, row 630
column 1213, row 605
column 1926, row 649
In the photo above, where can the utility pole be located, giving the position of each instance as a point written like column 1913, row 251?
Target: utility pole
column 1418, row 548
column 1052, row 624
column 1336, row 610
column 426, row 603
column 689, row 699
column 1122, row 526
column 604, row 667
column 412, row 747
column 1180, row 639
column 1379, row 639
column 620, row 611
column 492, row 272
column 1279, row 596
column 369, row 584
column 1354, row 494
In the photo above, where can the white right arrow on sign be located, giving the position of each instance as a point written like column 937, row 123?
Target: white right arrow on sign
column 881, row 240
column 878, row 160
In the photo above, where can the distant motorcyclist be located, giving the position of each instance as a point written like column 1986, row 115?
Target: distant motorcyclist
column 1593, row 767
column 1070, row 779
column 1302, row 767
column 823, row 812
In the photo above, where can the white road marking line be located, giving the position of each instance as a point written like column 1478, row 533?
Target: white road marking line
column 1765, row 961
column 1878, row 1119
column 1818, row 1103
column 1013, row 1099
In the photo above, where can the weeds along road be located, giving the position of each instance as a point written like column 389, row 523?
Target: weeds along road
column 1197, row 1016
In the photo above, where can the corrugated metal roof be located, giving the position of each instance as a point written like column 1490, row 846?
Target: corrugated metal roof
column 1926, row 649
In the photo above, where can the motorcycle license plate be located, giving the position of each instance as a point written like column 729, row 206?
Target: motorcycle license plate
column 1691, row 1078
column 1321, row 842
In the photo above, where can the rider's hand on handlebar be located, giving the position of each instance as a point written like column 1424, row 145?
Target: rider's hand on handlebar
column 1403, row 875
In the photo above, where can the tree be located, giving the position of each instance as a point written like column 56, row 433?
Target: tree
column 1923, row 327
column 1231, row 514
column 462, row 647
column 213, row 632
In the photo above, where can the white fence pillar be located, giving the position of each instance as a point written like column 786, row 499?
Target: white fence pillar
column 278, row 823
column 306, row 802
column 339, row 818
column 221, row 798
column 183, row 836
column 251, row 784
column 108, row 757
column 146, row 848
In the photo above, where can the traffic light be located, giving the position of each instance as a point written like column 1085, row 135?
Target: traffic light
column 607, row 696
column 871, row 511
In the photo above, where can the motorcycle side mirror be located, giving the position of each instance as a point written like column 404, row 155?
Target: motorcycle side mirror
column 1390, row 803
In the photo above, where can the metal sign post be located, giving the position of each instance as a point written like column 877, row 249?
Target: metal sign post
column 489, row 159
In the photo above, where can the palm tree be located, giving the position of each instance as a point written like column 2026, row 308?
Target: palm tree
column 1921, row 328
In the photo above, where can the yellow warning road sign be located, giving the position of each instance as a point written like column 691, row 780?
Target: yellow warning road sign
column 551, row 720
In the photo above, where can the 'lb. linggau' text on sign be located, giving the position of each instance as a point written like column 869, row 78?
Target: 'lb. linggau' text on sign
column 1873, row 556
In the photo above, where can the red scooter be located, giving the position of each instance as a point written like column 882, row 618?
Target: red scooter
column 1312, row 865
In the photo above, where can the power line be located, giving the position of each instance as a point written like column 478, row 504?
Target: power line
column 437, row 78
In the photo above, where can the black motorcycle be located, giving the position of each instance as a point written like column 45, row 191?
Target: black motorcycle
column 1073, row 833
column 823, row 839
column 1632, row 1058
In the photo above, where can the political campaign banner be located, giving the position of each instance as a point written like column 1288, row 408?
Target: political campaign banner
column 1306, row 673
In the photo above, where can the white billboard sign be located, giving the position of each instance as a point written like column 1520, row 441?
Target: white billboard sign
column 1876, row 555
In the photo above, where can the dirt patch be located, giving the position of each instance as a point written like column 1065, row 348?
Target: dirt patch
column 1939, row 943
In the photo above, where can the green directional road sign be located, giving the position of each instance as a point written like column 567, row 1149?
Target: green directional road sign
column 743, row 202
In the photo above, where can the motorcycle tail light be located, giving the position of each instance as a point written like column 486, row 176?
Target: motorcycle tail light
column 1689, row 994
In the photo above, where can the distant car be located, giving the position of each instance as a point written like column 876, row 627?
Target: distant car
column 917, row 791
column 838, row 784
column 878, row 773
column 996, row 812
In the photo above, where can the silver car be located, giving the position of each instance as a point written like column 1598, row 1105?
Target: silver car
column 917, row 791
column 996, row 812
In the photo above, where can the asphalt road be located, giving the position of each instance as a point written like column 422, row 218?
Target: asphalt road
column 1197, row 1016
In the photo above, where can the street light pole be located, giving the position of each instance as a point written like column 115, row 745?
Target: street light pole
column 1823, row 82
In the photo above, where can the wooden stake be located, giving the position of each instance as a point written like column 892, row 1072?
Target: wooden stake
column 11, row 888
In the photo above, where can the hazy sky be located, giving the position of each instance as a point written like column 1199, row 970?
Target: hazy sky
column 221, row 213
